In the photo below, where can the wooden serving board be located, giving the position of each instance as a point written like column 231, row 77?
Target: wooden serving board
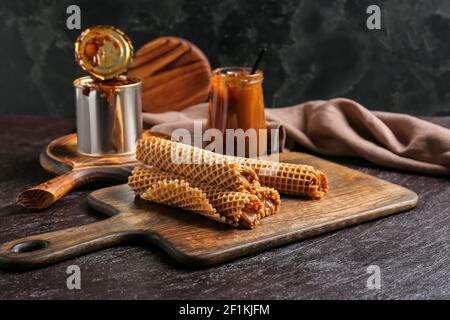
column 175, row 74
column 354, row 197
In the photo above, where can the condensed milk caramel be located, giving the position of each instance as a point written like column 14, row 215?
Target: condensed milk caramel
column 103, row 51
column 109, row 110
column 237, row 102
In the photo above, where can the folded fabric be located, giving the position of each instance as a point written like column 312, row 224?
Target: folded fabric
column 342, row 127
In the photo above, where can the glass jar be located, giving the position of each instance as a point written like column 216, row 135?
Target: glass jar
column 236, row 109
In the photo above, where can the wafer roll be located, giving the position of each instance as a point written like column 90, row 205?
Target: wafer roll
column 270, row 199
column 288, row 178
column 228, row 171
column 240, row 209
column 195, row 164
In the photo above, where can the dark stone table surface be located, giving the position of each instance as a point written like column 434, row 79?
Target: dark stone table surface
column 412, row 249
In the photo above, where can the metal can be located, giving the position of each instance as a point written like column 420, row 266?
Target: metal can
column 109, row 115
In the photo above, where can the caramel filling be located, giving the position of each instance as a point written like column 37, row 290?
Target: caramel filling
column 94, row 49
column 249, row 217
column 247, row 176
column 106, row 88
column 269, row 207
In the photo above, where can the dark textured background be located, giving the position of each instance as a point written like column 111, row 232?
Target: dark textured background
column 318, row 49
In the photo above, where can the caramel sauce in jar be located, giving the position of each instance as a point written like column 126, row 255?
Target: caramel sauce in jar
column 237, row 102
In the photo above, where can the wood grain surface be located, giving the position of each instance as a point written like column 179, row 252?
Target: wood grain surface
column 175, row 74
column 191, row 239
column 412, row 249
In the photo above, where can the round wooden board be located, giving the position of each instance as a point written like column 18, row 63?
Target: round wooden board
column 175, row 74
column 61, row 157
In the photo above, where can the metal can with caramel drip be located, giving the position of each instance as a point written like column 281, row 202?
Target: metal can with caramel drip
column 108, row 103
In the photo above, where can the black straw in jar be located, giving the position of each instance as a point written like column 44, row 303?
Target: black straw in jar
column 258, row 60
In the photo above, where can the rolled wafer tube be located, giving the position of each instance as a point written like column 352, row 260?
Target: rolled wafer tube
column 195, row 164
column 288, row 178
column 270, row 199
column 240, row 209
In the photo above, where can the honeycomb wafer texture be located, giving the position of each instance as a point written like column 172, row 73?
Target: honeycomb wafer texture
column 229, row 172
column 195, row 164
column 161, row 188
column 289, row 178
column 235, row 208
column 270, row 199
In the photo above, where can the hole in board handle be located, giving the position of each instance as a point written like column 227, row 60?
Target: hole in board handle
column 29, row 246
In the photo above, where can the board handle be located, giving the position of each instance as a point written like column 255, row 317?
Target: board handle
column 48, row 248
column 45, row 194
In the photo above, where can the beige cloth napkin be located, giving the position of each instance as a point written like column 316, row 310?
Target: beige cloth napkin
column 342, row 127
